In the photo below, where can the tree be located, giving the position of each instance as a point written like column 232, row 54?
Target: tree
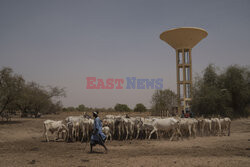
column 209, row 97
column 29, row 98
column 71, row 108
column 81, row 107
column 225, row 94
column 35, row 100
column 10, row 88
column 140, row 108
column 122, row 108
column 163, row 101
column 236, row 81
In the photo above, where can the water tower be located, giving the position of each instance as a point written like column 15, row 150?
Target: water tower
column 183, row 40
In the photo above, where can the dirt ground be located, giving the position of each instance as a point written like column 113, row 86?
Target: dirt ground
column 21, row 144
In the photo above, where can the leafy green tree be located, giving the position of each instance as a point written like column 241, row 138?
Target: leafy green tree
column 236, row 81
column 122, row 108
column 225, row 94
column 209, row 98
column 140, row 108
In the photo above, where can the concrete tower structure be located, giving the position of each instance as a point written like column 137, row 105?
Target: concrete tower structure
column 183, row 40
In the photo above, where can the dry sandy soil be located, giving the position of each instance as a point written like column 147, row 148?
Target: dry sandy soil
column 21, row 144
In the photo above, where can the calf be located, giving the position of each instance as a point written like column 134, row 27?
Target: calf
column 106, row 131
column 53, row 126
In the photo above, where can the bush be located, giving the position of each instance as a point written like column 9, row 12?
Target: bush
column 140, row 108
column 122, row 108
column 81, row 107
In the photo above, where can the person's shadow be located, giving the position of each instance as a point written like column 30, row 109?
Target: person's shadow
column 96, row 152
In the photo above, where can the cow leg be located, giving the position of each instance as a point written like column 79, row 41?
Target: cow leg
column 73, row 134
column 146, row 133
column 219, row 129
column 47, row 138
column 112, row 128
column 154, row 130
column 83, row 133
column 138, row 132
column 57, row 135
column 229, row 127
column 87, row 129
column 44, row 131
column 210, row 129
column 157, row 134
column 78, row 134
column 132, row 132
column 189, row 130
column 122, row 132
column 127, row 132
column 110, row 136
column 119, row 132
column 179, row 132
column 202, row 129
column 194, row 131
column 86, row 132
column 46, row 134
column 174, row 134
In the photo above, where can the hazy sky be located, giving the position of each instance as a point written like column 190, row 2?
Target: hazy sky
column 60, row 43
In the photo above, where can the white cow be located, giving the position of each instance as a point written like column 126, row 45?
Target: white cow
column 166, row 124
column 74, row 118
column 128, row 126
column 53, row 126
column 188, row 126
column 119, row 128
column 225, row 125
column 147, row 126
column 137, row 125
column 77, row 127
column 87, row 127
column 110, row 116
column 216, row 126
column 206, row 126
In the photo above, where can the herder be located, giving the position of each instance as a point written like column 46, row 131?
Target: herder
column 98, row 136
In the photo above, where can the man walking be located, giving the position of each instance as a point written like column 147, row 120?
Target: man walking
column 98, row 136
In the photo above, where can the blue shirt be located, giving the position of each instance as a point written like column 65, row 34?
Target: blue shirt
column 97, row 130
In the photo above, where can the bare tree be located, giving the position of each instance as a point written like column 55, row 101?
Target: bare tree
column 163, row 102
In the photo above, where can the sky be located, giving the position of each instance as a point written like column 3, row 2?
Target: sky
column 60, row 43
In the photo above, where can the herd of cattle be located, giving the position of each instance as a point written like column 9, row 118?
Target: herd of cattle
column 123, row 127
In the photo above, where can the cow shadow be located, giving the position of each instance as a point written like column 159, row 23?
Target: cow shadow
column 54, row 141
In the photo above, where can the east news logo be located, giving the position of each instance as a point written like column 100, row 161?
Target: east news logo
column 131, row 83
